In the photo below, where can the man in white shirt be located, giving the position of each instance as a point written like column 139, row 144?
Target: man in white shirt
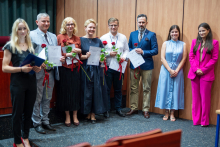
column 112, row 76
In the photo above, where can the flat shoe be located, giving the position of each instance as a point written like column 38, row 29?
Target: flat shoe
column 93, row 121
column 76, row 124
column 68, row 124
column 204, row 125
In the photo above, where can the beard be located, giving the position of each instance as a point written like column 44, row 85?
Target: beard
column 141, row 29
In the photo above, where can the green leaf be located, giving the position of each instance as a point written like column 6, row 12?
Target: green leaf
column 74, row 55
column 103, row 50
column 102, row 59
column 69, row 49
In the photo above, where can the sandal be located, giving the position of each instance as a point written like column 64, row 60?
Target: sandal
column 166, row 117
column 172, row 119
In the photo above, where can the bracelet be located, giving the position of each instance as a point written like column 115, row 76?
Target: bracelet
column 21, row 69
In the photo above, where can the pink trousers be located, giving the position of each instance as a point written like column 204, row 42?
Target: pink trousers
column 201, row 101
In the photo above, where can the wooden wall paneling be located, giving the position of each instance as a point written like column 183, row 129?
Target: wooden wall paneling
column 161, row 16
column 81, row 10
column 124, row 10
column 195, row 13
column 60, row 15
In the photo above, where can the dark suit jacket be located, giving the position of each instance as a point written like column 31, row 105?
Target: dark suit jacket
column 149, row 46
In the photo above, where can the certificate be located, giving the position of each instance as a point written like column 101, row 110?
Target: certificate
column 69, row 59
column 115, row 65
column 135, row 58
column 54, row 55
column 95, row 55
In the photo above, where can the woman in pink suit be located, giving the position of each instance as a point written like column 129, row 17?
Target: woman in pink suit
column 203, row 56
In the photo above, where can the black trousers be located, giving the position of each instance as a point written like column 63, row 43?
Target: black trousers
column 23, row 96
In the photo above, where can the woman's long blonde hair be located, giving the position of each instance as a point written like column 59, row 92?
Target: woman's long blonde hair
column 63, row 25
column 14, row 41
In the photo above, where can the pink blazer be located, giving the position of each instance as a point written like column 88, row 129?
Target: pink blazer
column 207, row 63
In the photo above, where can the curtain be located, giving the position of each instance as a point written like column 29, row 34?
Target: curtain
column 10, row 10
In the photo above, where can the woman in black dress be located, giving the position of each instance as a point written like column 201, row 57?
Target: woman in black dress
column 93, row 92
column 68, row 87
column 23, row 85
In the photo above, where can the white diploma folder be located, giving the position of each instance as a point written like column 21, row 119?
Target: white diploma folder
column 54, row 55
column 135, row 58
column 95, row 55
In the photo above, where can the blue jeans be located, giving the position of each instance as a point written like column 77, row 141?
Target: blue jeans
column 112, row 76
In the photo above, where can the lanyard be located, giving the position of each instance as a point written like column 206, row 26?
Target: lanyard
column 116, row 40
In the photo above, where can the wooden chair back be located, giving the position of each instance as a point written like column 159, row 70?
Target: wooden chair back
column 83, row 144
column 119, row 139
column 167, row 139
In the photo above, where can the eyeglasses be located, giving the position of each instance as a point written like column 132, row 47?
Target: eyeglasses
column 70, row 24
column 113, row 25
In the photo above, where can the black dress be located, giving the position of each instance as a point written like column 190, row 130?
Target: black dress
column 23, row 88
column 68, row 89
column 94, row 96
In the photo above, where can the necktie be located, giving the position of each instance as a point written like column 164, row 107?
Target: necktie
column 140, row 37
column 46, row 38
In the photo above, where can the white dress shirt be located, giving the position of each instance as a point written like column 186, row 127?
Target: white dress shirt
column 120, row 42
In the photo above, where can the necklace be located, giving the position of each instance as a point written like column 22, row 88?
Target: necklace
column 90, row 40
column 22, row 44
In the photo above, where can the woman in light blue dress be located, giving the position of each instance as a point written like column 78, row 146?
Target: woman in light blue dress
column 170, row 90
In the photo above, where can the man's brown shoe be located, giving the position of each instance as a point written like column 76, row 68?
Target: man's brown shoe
column 132, row 112
column 146, row 114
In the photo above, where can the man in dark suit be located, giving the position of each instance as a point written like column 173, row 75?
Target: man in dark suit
column 147, row 47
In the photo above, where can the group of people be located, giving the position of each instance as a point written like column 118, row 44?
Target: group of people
column 87, row 87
